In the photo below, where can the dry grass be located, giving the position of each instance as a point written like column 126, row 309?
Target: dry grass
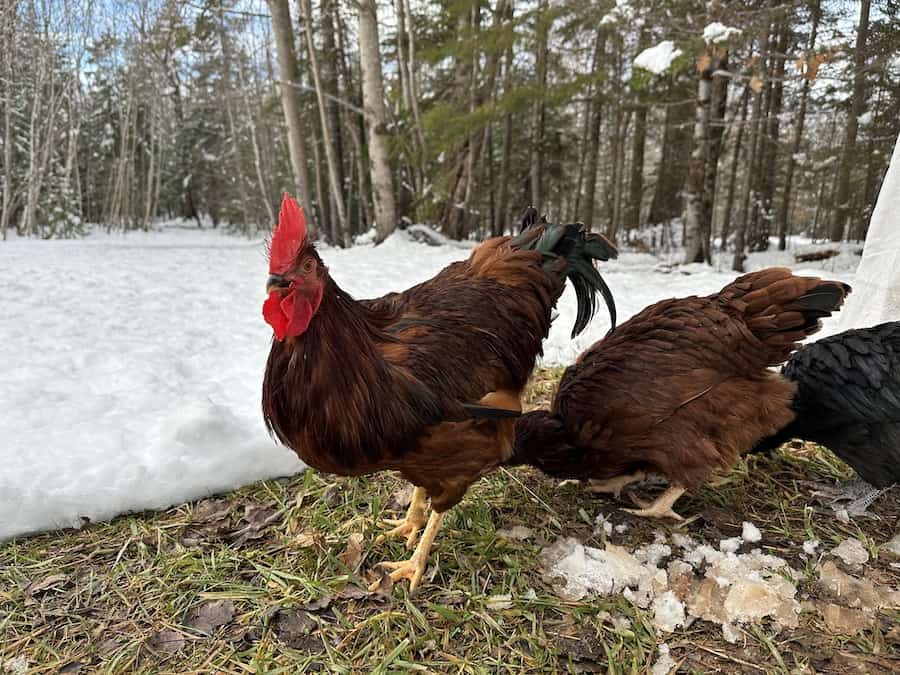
column 269, row 579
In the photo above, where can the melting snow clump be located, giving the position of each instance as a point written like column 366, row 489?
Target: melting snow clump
column 664, row 663
column 810, row 546
column 668, row 612
column 658, row 59
column 851, row 551
column 716, row 32
column 750, row 533
column 730, row 545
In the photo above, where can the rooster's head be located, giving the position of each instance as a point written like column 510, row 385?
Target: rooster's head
column 296, row 275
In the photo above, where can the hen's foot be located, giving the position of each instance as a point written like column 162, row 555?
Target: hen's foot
column 409, row 526
column 661, row 507
column 414, row 568
column 614, row 485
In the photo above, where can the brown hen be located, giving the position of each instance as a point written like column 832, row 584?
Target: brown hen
column 681, row 389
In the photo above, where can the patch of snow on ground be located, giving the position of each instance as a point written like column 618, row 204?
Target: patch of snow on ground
column 750, row 533
column 722, row 587
column 658, row 59
column 664, row 663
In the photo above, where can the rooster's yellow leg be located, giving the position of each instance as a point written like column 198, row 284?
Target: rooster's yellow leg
column 662, row 507
column 615, row 485
column 410, row 525
column 414, row 568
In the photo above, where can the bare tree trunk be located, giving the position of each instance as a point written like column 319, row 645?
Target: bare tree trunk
column 329, row 74
column 842, row 209
column 290, row 103
column 257, row 154
column 799, row 122
column 536, row 168
column 8, row 27
column 501, row 213
column 694, row 250
column 735, row 161
column 592, row 159
column 376, row 120
column 330, row 159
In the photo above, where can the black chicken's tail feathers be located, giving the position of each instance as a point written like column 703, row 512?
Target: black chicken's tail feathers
column 580, row 249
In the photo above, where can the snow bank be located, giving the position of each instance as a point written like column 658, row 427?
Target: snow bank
column 132, row 364
column 658, row 59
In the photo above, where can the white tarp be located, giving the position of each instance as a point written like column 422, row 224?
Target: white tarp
column 876, row 290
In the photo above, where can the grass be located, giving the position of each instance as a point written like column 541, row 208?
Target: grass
column 271, row 578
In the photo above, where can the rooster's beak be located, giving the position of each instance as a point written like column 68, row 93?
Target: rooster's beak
column 276, row 282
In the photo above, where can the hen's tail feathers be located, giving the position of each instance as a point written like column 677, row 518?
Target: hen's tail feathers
column 580, row 249
column 781, row 309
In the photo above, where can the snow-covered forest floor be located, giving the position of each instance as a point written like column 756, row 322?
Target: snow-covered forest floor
column 133, row 367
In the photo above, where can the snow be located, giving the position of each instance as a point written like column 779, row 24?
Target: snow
column 133, row 363
column 810, row 546
column 716, row 32
column 658, row 59
column 876, row 293
column 750, row 533
column 664, row 663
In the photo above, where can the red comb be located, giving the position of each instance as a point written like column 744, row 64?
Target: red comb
column 288, row 237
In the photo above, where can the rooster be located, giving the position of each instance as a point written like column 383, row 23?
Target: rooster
column 680, row 389
column 848, row 400
column 426, row 382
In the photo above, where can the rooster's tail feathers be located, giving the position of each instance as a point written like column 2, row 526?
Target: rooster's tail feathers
column 580, row 249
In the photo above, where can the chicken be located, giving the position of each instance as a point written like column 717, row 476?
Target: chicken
column 426, row 382
column 848, row 399
column 681, row 389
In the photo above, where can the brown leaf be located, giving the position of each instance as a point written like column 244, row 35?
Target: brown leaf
column 44, row 584
column 210, row 615
column 256, row 518
column 71, row 667
column 812, row 68
column 756, row 83
column 704, row 61
column 352, row 555
column 310, row 539
column 166, row 641
column 292, row 627
column 353, row 592
column 211, row 510
column 317, row 605
column 400, row 498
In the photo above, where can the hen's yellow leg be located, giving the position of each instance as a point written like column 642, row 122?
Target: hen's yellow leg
column 410, row 525
column 661, row 507
column 414, row 568
column 614, row 485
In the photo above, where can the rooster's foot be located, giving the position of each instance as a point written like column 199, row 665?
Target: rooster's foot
column 410, row 525
column 661, row 507
column 414, row 568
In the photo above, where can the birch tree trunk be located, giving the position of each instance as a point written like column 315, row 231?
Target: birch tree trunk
column 592, row 158
column 694, row 250
column 373, row 102
column 536, row 162
column 290, row 103
column 330, row 159
column 842, row 208
column 799, row 122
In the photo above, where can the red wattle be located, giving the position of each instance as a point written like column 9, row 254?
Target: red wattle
column 275, row 316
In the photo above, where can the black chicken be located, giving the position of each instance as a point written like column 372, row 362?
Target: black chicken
column 848, row 400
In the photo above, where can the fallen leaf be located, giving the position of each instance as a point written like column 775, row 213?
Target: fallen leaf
column 298, row 630
column 310, row 539
column 210, row 615
column 44, row 584
column 845, row 621
column 166, row 641
column 210, row 510
column 256, row 518
column 517, row 532
column 352, row 555
column 400, row 498
column 353, row 592
column 756, row 83
column 317, row 605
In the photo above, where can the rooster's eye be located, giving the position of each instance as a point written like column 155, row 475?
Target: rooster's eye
column 308, row 266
